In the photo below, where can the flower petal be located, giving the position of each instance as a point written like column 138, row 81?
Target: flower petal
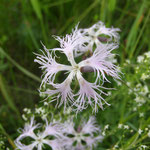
column 50, row 66
column 99, row 61
column 63, row 91
column 88, row 95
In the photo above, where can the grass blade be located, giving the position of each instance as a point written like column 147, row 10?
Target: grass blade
column 134, row 29
column 26, row 72
column 6, row 96
column 8, row 137
column 37, row 9
column 112, row 5
column 49, row 5
column 140, row 34
column 31, row 33
column 38, row 12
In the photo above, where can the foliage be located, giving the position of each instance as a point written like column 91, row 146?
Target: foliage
column 126, row 123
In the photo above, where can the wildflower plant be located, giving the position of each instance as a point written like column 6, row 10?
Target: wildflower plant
column 94, row 89
column 87, row 50
column 90, row 93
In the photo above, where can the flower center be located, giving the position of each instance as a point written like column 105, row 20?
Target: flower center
column 40, row 140
column 76, row 68
column 78, row 137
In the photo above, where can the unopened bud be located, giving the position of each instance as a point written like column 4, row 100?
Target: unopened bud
column 86, row 69
column 103, row 39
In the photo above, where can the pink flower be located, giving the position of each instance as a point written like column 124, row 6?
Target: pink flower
column 94, row 35
column 87, row 132
column 40, row 138
column 89, row 93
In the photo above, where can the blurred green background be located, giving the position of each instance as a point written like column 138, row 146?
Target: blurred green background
column 24, row 23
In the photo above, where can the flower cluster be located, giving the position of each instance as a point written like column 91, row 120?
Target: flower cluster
column 60, row 136
column 81, row 42
column 138, row 88
column 86, row 50
column 144, row 65
column 3, row 142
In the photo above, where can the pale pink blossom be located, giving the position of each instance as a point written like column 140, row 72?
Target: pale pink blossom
column 40, row 138
column 62, row 91
column 89, row 93
column 88, row 132
column 94, row 33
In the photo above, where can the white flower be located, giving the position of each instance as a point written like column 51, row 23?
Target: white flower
column 140, row 59
column 119, row 83
column 128, row 83
column 141, row 114
column 143, row 146
column 106, row 127
column 45, row 103
column 148, row 133
column 28, row 111
column 140, row 99
column 126, row 127
column 140, row 104
column 145, row 90
column 147, row 54
column 127, row 61
column 146, row 129
column 116, row 146
column 24, row 117
column 131, row 131
column 144, row 76
column 89, row 93
column 109, row 93
column 103, row 133
column 120, row 125
column 84, row 135
column 140, row 131
column 40, row 138
column 94, row 35
column 40, row 110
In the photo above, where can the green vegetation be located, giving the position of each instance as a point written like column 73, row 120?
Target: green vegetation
column 24, row 23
